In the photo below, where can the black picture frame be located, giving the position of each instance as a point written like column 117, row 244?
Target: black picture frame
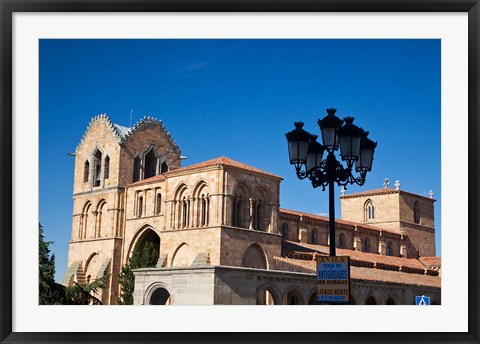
column 9, row 7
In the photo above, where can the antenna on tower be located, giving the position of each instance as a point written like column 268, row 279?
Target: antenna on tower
column 131, row 114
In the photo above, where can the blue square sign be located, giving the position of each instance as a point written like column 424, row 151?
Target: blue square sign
column 422, row 300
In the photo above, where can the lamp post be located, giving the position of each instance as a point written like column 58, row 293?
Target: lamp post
column 306, row 154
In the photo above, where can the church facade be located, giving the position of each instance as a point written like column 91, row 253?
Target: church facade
column 221, row 235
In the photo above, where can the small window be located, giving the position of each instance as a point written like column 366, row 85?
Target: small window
column 204, row 211
column 150, row 164
column 369, row 211
column 140, row 206
column 159, row 204
column 312, row 237
column 341, row 241
column 389, row 248
column 283, row 231
column 184, row 212
column 258, row 215
column 416, row 213
column 107, row 167
column 98, row 168
column 86, row 171
column 164, row 167
column 365, row 245
column 136, row 169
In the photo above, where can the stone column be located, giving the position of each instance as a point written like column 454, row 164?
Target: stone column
column 357, row 243
column 195, row 213
column 250, row 218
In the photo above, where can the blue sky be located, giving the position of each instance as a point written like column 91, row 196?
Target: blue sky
column 238, row 98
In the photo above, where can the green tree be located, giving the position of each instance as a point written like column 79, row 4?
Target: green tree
column 79, row 294
column 49, row 292
column 141, row 258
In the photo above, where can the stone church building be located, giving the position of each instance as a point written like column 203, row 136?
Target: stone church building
column 221, row 235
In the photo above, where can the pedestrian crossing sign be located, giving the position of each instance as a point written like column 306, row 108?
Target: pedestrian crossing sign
column 422, row 300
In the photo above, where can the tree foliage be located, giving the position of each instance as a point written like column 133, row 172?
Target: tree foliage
column 49, row 292
column 84, row 294
column 145, row 257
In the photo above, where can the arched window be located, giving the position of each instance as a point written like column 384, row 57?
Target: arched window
column 98, row 168
column 416, row 213
column 84, row 224
column 203, row 211
column 140, row 206
column 150, row 164
column 237, row 211
column 369, row 211
column 258, row 225
column 101, row 212
column 283, row 231
column 365, row 245
column 389, row 248
column 158, row 208
column 341, row 241
column 312, row 237
column 164, row 167
column 106, row 173
column 136, row 169
column 86, row 171
column 184, row 212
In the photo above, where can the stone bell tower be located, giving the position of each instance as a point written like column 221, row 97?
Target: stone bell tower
column 394, row 209
column 108, row 158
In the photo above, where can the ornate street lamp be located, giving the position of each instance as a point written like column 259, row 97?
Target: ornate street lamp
column 306, row 154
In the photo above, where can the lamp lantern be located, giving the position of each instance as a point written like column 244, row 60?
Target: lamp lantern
column 329, row 126
column 349, row 136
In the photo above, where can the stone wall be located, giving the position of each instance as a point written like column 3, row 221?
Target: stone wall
column 245, row 286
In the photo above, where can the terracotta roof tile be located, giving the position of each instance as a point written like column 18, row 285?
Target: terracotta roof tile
column 369, row 274
column 354, row 255
column 431, row 261
column 225, row 162
column 339, row 221
column 149, row 180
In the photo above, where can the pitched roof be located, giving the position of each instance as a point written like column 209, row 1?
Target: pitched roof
column 371, row 192
column 381, row 191
column 149, row 180
column 290, row 246
column 339, row 221
column 368, row 274
column 222, row 161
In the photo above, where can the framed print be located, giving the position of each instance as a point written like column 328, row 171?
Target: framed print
column 316, row 157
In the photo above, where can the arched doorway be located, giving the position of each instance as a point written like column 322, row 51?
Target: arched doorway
column 390, row 301
column 370, row 301
column 312, row 300
column 149, row 235
column 145, row 257
column 294, row 297
column 160, row 296
column 267, row 296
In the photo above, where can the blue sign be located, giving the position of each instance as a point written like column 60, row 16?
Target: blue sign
column 333, row 279
column 422, row 300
